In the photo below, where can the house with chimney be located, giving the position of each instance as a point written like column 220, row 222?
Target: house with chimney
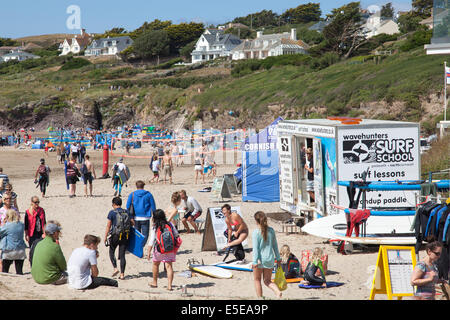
column 76, row 44
column 213, row 44
column 376, row 25
column 270, row 45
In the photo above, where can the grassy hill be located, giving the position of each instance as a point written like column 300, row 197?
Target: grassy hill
column 403, row 86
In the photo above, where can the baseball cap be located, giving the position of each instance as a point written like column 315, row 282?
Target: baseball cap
column 51, row 228
column 121, row 160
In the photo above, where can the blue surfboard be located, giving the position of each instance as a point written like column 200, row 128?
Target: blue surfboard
column 65, row 174
column 136, row 243
column 395, row 185
column 330, row 284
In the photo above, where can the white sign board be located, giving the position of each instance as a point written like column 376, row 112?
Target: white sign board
column 400, row 269
column 287, row 183
column 219, row 226
column 389, row 153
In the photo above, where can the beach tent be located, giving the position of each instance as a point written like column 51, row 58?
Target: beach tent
column 260, row 176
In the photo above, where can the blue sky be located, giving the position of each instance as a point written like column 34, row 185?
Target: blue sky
column 36, row 17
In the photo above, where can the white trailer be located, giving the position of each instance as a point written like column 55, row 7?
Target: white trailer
column 387, row 150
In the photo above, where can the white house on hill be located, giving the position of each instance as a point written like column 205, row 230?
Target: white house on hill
column 76, row 44
column 375, row 26
column 270, row 45
column 19, row 56
column 213, row 44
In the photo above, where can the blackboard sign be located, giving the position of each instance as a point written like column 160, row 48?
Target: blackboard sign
column 230, row 180
column 219, row 189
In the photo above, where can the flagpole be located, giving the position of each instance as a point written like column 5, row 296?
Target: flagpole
column 445, row 92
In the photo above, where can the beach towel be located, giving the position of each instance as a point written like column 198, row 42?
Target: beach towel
column 330, row 284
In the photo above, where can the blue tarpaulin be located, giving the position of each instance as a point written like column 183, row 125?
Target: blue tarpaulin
column 260, row 174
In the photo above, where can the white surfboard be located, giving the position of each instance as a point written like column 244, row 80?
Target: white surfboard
column 211, row 271
column 334, row 226
column 379, row 240
column 236, row 265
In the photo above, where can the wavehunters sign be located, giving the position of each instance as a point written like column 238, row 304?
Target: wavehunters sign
column 387, row 153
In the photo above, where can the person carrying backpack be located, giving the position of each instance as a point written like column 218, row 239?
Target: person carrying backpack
column 164, row 242
column 42, row 177
column 117, row 234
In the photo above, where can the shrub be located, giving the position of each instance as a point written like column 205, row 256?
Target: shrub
column 75, row 63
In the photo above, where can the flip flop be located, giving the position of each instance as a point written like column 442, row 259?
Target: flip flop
column 152, row 286
column 115, row 273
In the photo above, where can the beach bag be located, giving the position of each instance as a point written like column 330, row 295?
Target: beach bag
column 280, row 279
column 165, row 240
column 123, row 223
column 305, row 258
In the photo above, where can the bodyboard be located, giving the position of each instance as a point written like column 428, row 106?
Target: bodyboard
column 330, row 284
column 136, row 243
column 65, row 174
column 123, row 176
column 293, row 280
column 211, row 271
column 236, row 266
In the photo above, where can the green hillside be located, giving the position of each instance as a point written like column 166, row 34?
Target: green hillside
column 341, row 88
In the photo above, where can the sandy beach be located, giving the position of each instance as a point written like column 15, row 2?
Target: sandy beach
column 80, row 216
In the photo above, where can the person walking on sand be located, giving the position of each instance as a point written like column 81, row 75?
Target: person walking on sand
column 116, row 172
column 73, row 173
column 167, row 165
column 42, row 177
column 117, row 234
column 82, row 266
column 34, row 221
column 155, row 168
column 192, row 211
column 160, row 224
column 198, row 167
column 425, row 275
column 265, row 251
column 144, row 205
column 88, row 172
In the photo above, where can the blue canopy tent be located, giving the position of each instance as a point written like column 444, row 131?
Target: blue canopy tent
column 260, row 174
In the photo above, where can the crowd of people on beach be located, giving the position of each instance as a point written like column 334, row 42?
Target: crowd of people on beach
column 81, row 271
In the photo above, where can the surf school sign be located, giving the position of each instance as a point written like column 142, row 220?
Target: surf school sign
column 388, row 154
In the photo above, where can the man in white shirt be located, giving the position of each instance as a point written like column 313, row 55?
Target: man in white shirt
column 193, row 211
column 82, row 266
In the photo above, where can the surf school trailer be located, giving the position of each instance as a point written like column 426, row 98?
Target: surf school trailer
column 342, row 150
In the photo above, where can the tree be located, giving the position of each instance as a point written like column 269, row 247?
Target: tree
column 344, row 33
column 422, row 8
column 242, row 33
column 186, row 51
column 8, row 42
column 154, row 25
column 265, row 18
column 183, row 33
column 387, row 11
column 152, row 43
column 408, row 23
column 302, row 14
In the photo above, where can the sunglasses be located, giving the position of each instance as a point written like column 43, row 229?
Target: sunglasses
column 6, row 198
column 437, row 253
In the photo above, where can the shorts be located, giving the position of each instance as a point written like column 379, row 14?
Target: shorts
column 155, row 173
column 310, row 185
column 88, row 178
column 72, row 179
column 198, row 167
column 206, row 169
column 189, row 214
column 168, row 170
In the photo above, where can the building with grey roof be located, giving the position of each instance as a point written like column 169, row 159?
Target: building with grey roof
column 18, row 56
column 108, row 46
column 270, row 45
column 213, row 44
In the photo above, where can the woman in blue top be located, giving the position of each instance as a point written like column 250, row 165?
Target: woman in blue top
column 11, row 243
column 265, row 251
